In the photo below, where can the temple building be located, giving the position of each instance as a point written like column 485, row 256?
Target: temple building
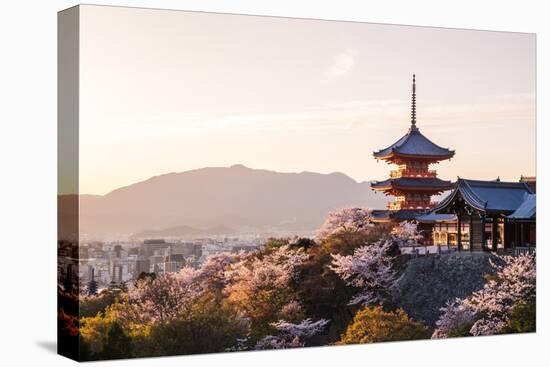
column 476, row 215
column 412, row 183
column 486, row 216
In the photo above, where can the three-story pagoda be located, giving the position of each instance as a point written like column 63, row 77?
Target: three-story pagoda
column 412, row 183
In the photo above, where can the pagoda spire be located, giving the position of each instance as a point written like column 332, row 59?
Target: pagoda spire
column 413, row 107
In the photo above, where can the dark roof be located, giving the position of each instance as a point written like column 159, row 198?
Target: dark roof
column 405, row 214
column 434, row 217
column 415, row 144
column 489, row 195
column 527, row 209
column 413, row 182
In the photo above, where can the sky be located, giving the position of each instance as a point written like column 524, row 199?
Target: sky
column 170, row 91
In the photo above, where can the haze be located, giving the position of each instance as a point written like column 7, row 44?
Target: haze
column 170, row 91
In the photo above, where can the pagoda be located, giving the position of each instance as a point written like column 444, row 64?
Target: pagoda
column 412, row 183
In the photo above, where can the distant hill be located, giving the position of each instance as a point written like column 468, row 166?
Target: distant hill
column 236, row 197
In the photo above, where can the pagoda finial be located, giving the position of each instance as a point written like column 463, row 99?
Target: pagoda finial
column 413, row 107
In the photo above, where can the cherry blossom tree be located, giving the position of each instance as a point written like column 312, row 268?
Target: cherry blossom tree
column 369, row 268
column 455, row 315
column 211, row 275
column 513, row 283
column 291, row 335
column 406, row 234
column 261, row 287
column 162, row 298
column 253, row 274
column 344, row 220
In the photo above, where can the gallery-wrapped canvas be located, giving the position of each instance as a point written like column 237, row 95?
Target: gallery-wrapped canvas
column 236, row 183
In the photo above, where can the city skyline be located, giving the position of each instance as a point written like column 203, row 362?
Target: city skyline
column 295, row 95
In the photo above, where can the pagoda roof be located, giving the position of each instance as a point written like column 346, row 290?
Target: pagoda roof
column 415, row 145
column 527, row 209
column 413, row 183
column 488, row 196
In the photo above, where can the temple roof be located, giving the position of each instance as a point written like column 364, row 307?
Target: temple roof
column 388, row 215
column 527, row 209
column 433, row 217
column 488, row 195
column 414, row 144
column 413, row 183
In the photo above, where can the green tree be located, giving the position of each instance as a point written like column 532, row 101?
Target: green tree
column 522, row 319
column 91, row 305
column 274, row 243
column 373, row 324
column 321, row 291
column 117, row 344
column 207, row 328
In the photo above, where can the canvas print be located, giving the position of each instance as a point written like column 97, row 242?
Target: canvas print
column 236, row 183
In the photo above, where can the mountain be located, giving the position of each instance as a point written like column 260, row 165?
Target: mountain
column 241, row 198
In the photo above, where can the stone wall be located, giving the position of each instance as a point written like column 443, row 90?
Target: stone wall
column 428, row 282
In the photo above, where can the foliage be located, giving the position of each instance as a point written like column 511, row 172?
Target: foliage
column 293, row 242
column 370, row 268
column 373, row 324
column 291, row 335
column 117, row 343
column 162, row 298
column 261, row 286
column 302, row 242
column 344, row 220
column 92, row 304
column 522, row 319
column 514, row 283
column 406, row 234
column 274, row 243
column 207, row 328
column 458, row 320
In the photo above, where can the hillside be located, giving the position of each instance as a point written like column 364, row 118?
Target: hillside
column 236, row 197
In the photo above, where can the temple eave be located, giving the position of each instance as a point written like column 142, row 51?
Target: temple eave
column 408, row 189
column 396, row 156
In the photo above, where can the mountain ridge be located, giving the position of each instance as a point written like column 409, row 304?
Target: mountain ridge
column 237, row 197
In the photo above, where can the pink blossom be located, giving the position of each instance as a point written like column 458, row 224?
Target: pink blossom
column 515, row 282
column 291, row 335
column 369, row 268
column 344, row 220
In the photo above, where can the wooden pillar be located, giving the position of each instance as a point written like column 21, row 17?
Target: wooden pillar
column 522, row 234
column 494, row 233
column 459, row 234
column 470, row 232
column 516, row 234
column 483, row 239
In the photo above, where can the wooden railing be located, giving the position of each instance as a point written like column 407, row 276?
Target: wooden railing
column 398, row 205
column 524, row 250
column 411, row 172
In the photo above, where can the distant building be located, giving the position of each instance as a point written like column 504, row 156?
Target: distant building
column 153, row 246
column 173, row 263
column 142, row 266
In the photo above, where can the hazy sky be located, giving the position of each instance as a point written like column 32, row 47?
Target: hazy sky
column 169, row 91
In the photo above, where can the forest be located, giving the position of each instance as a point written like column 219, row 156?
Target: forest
column 334, row 289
